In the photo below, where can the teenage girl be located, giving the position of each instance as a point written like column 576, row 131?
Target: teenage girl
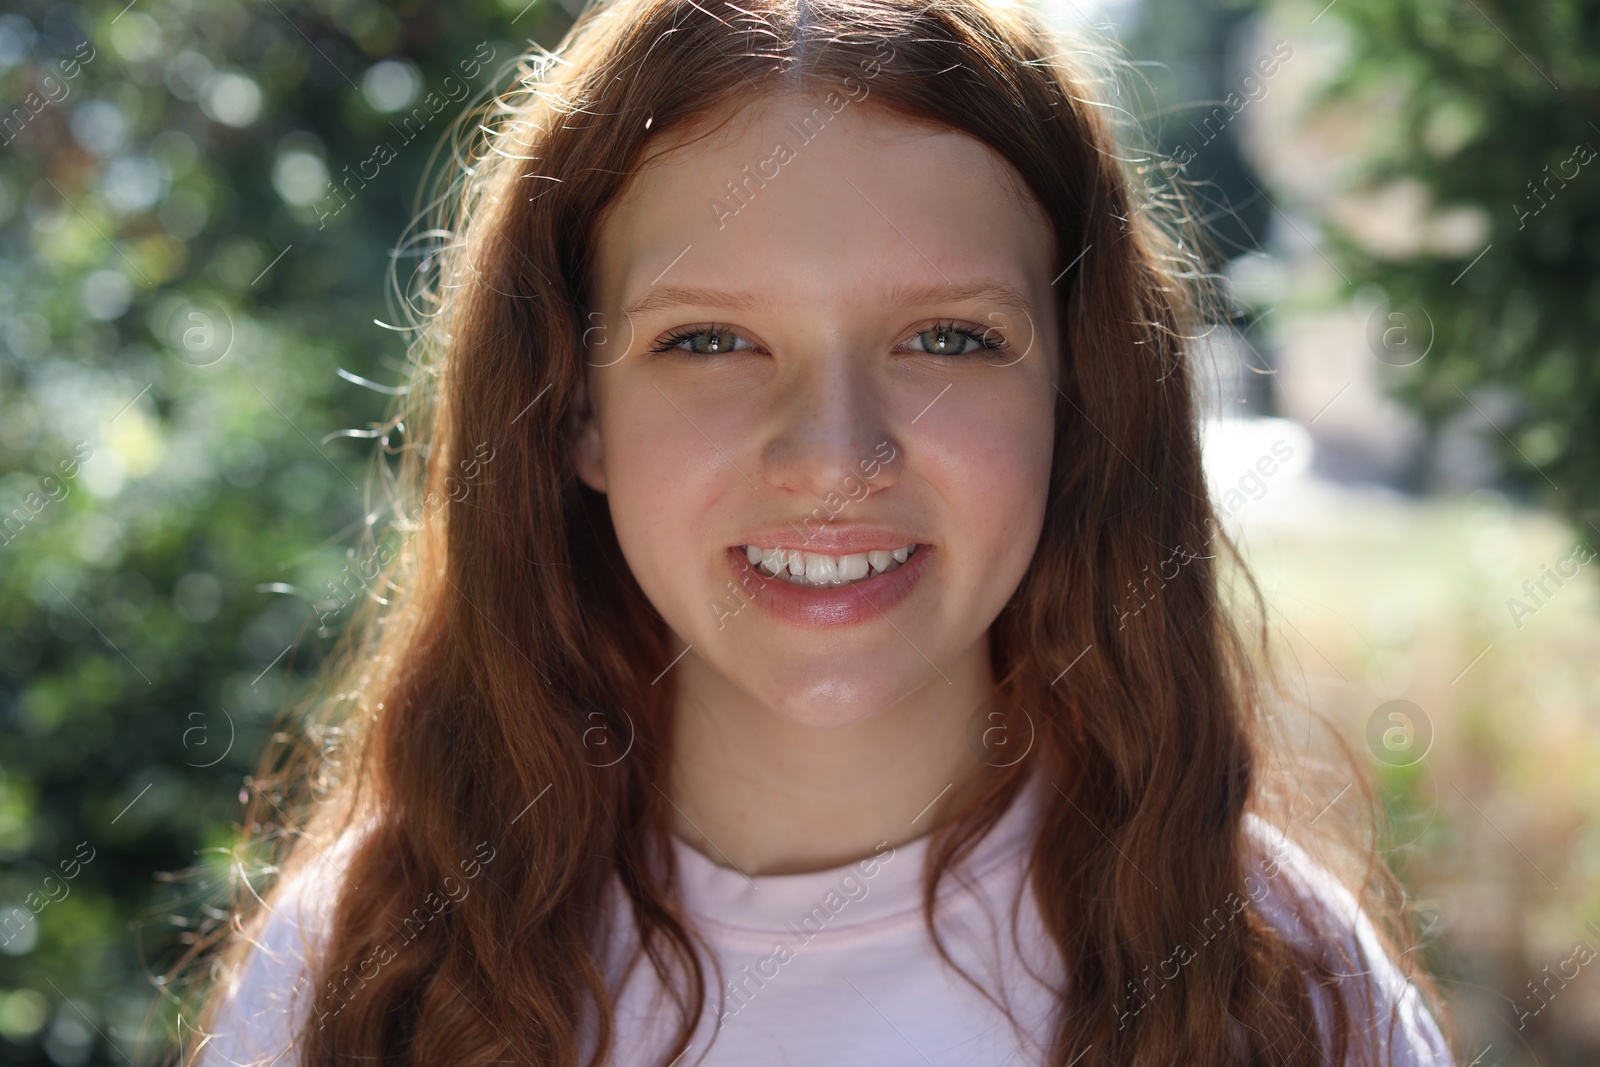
column 803, row 638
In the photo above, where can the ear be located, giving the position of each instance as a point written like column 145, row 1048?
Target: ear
column 588, row 455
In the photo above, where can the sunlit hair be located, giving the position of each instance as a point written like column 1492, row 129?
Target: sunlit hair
column 504, row 684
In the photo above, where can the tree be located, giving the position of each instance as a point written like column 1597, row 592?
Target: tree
column 1492, row 108
column 197, row 207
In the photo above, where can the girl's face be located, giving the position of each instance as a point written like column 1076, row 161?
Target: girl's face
column 795, row 348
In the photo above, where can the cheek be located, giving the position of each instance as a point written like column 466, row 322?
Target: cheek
column 664, row 478
column 992, row 461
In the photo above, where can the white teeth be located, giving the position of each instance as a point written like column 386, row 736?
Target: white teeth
column 822, row 570
column 853, row 566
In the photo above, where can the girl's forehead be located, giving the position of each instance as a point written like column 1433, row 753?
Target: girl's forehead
column 809, row 189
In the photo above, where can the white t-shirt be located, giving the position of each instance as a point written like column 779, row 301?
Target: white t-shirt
column 835, row 968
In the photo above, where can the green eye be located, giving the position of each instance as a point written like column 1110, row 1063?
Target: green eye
column 948, row 339
column 940, row 339
column 702, row 341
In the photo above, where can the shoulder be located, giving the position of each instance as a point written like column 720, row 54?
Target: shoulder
column 1305, row 904
column 263, row 1002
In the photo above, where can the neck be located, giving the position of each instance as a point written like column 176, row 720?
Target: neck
column 758, row 792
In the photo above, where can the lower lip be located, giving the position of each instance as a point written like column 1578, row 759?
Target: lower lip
column 842, row 605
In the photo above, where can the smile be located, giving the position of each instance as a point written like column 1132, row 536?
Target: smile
column 849, row 589
column 820, row 570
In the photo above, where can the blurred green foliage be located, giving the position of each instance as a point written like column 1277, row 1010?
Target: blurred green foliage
column 178, row 284
column 1493, row 108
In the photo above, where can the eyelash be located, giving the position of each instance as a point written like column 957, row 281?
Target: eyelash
column 670, row 341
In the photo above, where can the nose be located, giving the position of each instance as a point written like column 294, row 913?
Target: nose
column 832, row 434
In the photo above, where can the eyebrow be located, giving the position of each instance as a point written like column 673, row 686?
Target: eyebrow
column 900, row 295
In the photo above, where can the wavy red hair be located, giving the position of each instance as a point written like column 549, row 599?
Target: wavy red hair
column 510, row 639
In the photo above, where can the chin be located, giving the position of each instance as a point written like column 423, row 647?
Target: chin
column 829, row 701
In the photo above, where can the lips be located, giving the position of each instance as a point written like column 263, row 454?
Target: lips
column 832, row 605
column 817, row 569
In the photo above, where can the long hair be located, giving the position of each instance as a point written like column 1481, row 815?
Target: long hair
column 493, row 715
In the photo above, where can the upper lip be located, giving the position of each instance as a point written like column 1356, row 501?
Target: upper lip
column 835, row 539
